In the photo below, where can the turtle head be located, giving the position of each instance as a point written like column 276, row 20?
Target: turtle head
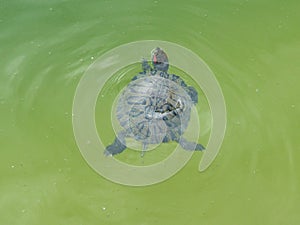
column 160, row 60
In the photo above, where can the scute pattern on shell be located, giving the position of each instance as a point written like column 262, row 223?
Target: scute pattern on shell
column 154, row 109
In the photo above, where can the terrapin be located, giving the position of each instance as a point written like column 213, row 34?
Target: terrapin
column 155, row 107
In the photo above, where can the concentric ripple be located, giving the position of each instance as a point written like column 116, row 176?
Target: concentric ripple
column 110, row 63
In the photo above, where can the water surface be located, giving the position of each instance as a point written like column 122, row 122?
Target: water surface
column 253, row 48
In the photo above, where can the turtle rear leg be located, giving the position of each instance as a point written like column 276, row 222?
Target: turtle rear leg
column 144, row 150
column 117, row 146
column 191, row 146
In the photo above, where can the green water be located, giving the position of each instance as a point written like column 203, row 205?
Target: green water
column 253, row 47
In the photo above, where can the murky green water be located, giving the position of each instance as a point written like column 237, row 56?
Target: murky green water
column 253, row 47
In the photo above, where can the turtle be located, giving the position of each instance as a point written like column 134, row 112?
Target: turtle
column 154, row 107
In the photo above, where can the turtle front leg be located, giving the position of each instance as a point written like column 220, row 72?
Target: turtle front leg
column 117, row 146
column 145, row 65
column 193, row 94
column 191, row 146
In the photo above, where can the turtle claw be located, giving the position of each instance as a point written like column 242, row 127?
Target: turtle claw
column 107, row 153
column 199, row 147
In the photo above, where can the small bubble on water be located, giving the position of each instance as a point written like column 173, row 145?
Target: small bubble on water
column 13, row 166
column 49, row 53
column 103, row 208
column 80, row 60
column 92, row 57
column 51, row 9
column 155, row 2
column 293, row 106
column 256, row 90
column 23, row 210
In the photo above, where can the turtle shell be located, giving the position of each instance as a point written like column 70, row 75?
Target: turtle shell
column 152, row 108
